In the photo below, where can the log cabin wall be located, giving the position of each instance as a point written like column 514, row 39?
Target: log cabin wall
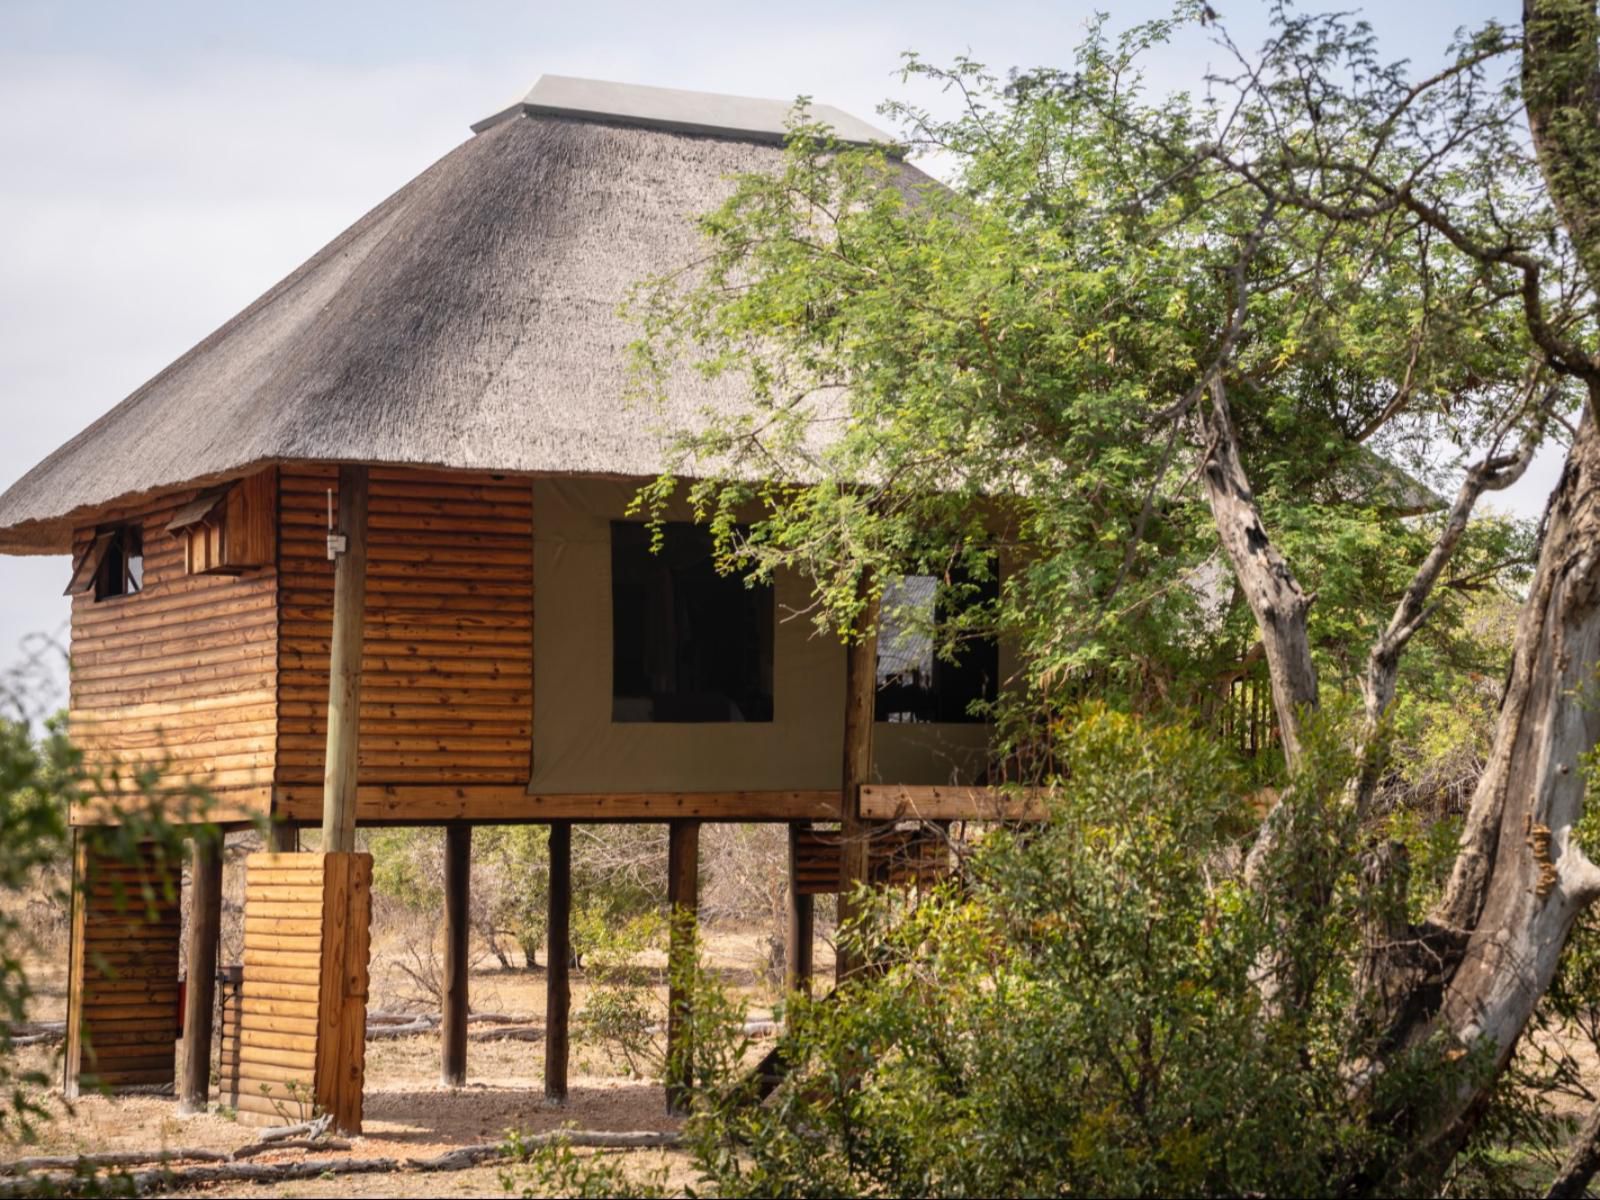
column 447, row 686
column 122, row 998
column 186, row 667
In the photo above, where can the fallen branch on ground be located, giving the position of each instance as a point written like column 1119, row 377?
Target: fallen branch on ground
column 508, row 1033
column 256, row 1148
column 497, row 1019
column 311, row 1129
column 47, row 1038
column 419, row 1025
column 223, row 1170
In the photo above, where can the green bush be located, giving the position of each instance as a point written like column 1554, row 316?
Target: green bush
column 1080, row 1014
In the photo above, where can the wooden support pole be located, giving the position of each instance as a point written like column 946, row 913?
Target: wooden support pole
column 797, row 958
column 344, row 666
column 861, row 688
column 683, row 902
column 285, row 838
column 200, row 993
column 72, row 1059
column 457, row 904
column 558, row 962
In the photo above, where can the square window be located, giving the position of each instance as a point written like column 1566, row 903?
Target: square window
column 122, row 571
column 914, row 684
column 688, row 644
column 112, row 565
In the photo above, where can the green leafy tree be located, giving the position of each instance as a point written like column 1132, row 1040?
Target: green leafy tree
column 1163, row 355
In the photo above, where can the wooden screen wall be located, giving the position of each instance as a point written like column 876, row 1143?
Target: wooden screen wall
column 446, row 693
column 186, row 667
column 122, row 1015
column 230, row 998
column 277, row 1050
column 901, row 858
column 303, row 1003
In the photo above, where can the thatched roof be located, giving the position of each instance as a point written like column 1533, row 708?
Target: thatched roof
column 469, row 321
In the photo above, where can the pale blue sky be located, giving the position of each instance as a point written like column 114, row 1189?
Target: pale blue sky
column 168, row 162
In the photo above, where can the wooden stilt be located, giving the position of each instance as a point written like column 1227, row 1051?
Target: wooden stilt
column 285, row 838
column 861, row 685
column 457, row 902
column 683, row 901
column 200, row 997
column 558, row 956
column 797, row 959
column 72, row 1059
column 344, row 666
column 347, row 877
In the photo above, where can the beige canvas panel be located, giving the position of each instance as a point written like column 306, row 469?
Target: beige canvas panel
column 577, row 746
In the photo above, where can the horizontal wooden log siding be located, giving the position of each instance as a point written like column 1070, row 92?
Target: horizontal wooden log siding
column 400, row 804
column 447, row 686
column 278, row 1000
column 123, row 989
column 898, row 801
column 230, row 998
column 184, row 670
column 899, row 858
column 303, row 1001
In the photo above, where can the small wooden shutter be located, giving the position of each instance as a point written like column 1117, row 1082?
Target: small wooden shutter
column 229, row 530
column 87, row 567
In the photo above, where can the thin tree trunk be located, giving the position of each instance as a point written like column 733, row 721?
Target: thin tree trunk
column 1494, row 472
column 1275, row 597
column 1583, row 1160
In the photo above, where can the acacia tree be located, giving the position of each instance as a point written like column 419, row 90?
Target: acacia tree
column 1134, row 334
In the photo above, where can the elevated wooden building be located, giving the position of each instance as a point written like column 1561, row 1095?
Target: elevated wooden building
column 363, row 556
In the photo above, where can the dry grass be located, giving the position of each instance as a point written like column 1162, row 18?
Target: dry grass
column 408, row 1112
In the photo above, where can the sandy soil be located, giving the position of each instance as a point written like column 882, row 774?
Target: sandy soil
column 408, row 1113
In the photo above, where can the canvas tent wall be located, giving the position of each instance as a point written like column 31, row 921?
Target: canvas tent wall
column 578, row 747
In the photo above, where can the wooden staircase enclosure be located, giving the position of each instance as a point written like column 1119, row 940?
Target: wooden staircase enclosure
column 915, row 857
column 303, row 1002
column 122, row 1008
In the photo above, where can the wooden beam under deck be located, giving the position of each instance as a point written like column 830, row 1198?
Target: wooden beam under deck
column 229, row 806
column 423, row 804
column 913, row 802
column 398, row 804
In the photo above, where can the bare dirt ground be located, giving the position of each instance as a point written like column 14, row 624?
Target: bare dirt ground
column 408, row 1113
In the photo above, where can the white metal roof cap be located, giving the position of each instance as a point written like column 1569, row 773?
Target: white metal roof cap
column 678, row 110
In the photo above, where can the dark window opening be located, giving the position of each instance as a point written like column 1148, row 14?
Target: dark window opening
column 122, row 569
column 687, row 643
column 111, row 565
column 914, row 683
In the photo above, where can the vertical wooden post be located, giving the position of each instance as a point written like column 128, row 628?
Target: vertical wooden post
column 683, row 901
column 861, row 688
column 285, row 838
column 344, row 665
column 200, row 997
column 343, row 983
column 72, row 1059
column 797, row 959
column 457, row 902
column 558, row 961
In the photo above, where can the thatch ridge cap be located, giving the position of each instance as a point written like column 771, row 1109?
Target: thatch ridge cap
column 677, row 110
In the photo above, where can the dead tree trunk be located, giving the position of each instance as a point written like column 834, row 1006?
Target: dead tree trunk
column 1520, row 880
column 1275, row 597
